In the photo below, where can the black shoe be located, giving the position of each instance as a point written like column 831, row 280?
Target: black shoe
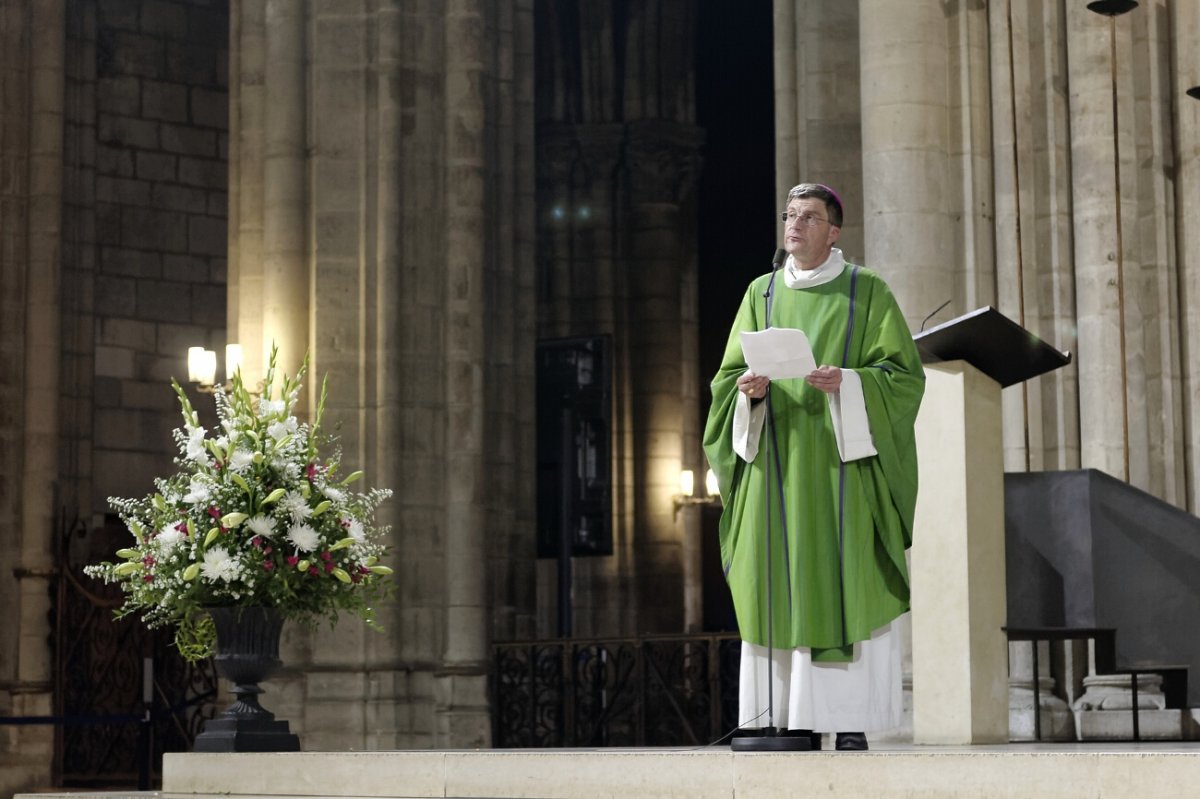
column 851, row 742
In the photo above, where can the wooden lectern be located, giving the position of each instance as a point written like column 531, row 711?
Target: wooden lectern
column 959, row 650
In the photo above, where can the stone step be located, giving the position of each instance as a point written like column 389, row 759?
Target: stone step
column 1045, row 770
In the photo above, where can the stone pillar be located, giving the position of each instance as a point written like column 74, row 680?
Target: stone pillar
column 285, row 248
column 1036, row 283
column 908, row 212
column 818, row 131
column 1100, row 206
column 462, row 690
column 247, row 93
column 1185, row 22
column 40, row 362
column 662, row 167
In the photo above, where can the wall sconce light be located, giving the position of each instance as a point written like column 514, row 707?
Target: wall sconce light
column 687, row 490
column 202, row 367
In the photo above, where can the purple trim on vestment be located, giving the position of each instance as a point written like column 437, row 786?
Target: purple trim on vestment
column 842, row 464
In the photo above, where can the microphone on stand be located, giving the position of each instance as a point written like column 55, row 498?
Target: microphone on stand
column 769, row 294
column 771, row 740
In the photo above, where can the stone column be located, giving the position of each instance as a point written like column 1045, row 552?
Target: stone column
column 41, row 366
column 1185, row 22
column 818, row 131
column 662, row 161
column 247, row 93
column 285, row 253
column 908, row 211
column 1099, row 205
column 462, row 690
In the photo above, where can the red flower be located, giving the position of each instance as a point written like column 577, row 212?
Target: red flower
column 266, row 550
column 147, row 578
column 313, row 571
column 148, row 560
column 326, row 556
column 256, row 541
column 214, row 512
column 292, row 560
column 328, row 567
column 268, row 565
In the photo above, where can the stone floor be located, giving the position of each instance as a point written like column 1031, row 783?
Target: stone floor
column 1014, row 770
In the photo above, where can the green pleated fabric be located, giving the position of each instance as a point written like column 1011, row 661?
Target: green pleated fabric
column 840, row 572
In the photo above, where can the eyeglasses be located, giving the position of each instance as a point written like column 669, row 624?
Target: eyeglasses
column 808, row 220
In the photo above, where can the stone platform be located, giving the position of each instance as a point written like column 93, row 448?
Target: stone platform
column 1014, row 770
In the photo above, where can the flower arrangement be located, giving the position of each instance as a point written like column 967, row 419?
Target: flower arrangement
column 253, row 518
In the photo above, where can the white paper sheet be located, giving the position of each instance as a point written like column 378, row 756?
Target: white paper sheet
column 778, row 353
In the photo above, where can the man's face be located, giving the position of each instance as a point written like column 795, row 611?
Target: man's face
column 807, row 233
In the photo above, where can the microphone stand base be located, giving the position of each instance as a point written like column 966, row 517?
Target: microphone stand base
column 771, row 741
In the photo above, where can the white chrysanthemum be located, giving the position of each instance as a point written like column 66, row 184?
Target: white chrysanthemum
column 198, row 491
column 303, row 537
column 241, row 460
column 357, row 531
column 295, row 504
column 262, row 526
column 168, row 538
column 278, row 430
column 335, row 494
column 195, row 445
column 218, row 565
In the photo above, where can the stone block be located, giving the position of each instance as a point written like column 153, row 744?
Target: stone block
column 114, row 362
column 209, row 305
column 210, row 24
column 207, row 235
column 125, row 473
column 186, row 268
column 192, row 64
column 1117, row 725
column 163, row 301
column 117, row 14
column 116, row 295
column 154, row 230
column 122, row 191
column 157, row 167
column 108, row 224
column 218, row 204
column 106, row 392
column 135, row 54
column 187, row 140
column 128, row 333
column 134, row 263
column 116, row 161
column 210, row 108
column 128, row 132
column 121, row 95
column 164, row 19
column 167, row 101
column 148, row 395
column 174, row 338
column 171, row 197
column 207, row 173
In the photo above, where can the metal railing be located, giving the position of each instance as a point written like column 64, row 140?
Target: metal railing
column 668, row 690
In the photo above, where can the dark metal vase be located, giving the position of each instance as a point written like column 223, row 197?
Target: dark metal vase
column 247, row 654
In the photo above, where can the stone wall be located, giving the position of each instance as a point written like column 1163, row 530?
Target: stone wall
column 159, row 115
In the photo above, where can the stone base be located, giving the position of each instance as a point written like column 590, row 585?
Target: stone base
column 1058, row 724
column 1117, row 725
column 246, row 735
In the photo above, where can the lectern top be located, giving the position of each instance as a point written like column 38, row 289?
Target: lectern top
column 993, row 344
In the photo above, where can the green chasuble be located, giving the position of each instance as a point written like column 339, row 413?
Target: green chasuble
column 839, row 573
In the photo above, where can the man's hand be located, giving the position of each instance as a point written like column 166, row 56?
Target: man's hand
column 825, row 378
column 753, row 386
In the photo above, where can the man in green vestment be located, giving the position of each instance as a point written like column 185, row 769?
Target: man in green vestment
column 836, row 451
